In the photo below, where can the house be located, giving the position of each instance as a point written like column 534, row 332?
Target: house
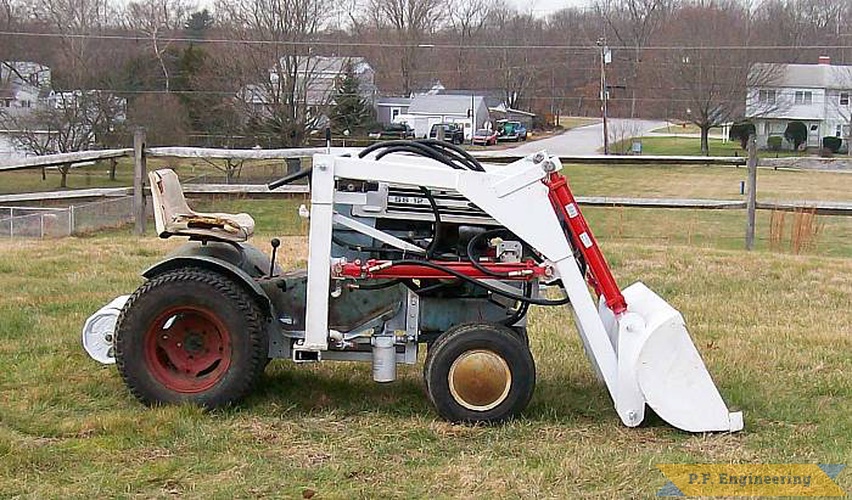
column 389, row 109
column 427, row 110
column 316, row 82
column 23, row 86
column 817, row 95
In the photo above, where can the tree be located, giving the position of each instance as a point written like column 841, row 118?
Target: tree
column 70, row 121
column 409, row 23
column 705, row 83
column 198, row 24
column 273, row 79
column 741, row 131
column 634, row 23
column 155, row 19
column 350, row 111
column 468, row 19
column 796, row 133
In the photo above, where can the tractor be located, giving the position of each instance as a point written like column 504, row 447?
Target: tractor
column 412, row 245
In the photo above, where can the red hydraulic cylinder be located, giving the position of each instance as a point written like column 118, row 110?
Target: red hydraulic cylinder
column 387, row 269
column 600, row 275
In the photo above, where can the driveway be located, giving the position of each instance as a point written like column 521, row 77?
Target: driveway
column 586, row 140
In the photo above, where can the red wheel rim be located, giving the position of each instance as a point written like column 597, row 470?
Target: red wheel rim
column 188, row 349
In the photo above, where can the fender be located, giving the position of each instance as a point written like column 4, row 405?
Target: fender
column 243, row 263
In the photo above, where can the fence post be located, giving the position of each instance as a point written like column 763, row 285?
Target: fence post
column 139, row 174
column 751, row 191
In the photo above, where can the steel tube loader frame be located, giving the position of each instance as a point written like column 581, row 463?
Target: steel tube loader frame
column 637, row 343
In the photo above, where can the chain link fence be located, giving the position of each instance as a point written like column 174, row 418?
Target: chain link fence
column 39, row 222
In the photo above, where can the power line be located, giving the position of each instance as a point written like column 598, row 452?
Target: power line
column 322, row 43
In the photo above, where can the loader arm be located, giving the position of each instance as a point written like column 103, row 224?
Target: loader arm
column 637, row 343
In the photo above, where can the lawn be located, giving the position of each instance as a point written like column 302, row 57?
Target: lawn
column 774, row 330
column 691, row 146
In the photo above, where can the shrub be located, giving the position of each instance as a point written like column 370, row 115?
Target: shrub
column 832, row 143
column 774, row 143
column 797, row 133
column 740, row 131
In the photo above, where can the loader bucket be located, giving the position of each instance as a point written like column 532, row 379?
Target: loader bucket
column 659, row 365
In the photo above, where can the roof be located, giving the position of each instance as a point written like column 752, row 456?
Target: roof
column 823, row 76
column 443, row 104
column 393, row 101
column 492, row 98
column 510, row 111
column 334, row 65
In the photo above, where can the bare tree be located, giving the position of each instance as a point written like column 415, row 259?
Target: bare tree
column 72, row 20
column 514, row 68
column 468, row 21
column 156, row 19
column 68, row 122
column 274, row 78
column 409, row 23
column 634, row 23
column 706, row 85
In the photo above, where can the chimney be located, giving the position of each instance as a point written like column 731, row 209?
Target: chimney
column 824, row 60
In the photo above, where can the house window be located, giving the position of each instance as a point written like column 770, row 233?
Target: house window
column 766, row 96
column 814, row 127
column 767, row 129
column 838, row 131
column 844, row 98
column 394, row 113
column 26, row 104
column 7, row 103
column 804, row 97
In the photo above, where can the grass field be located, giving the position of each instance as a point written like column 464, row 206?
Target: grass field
column 774, row 330
column 688, row 146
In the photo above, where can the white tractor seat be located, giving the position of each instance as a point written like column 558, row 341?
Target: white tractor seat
column 174, row 217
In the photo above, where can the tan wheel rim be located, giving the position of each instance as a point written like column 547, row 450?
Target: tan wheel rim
column 480, row 380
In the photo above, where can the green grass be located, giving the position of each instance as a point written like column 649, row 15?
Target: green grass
column 691, row 146
column 774, row 330
column 668, row 181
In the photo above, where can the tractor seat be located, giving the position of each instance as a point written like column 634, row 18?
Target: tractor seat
column 174, row 217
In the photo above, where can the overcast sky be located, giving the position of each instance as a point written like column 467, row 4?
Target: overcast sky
column 545, row 7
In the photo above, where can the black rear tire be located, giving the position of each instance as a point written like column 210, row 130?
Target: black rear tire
column 479, row 372
column 191, row 336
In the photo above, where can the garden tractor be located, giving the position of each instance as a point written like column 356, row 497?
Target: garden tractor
column 412, row 244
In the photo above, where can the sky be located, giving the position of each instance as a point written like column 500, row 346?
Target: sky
column 544, row 7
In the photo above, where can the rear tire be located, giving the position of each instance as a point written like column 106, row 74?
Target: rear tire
column 191, row 336
column 479, row 372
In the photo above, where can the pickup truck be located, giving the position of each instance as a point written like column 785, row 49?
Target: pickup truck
column 452, row 132
column 511, row 131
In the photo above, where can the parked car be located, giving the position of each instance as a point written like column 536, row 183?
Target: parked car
column 397, row 131
column 485, row 137
column 512, row 131
column 452, row 132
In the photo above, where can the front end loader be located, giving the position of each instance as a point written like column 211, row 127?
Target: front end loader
column 412, row 244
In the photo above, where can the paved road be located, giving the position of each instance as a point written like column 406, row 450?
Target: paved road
column 584, row 140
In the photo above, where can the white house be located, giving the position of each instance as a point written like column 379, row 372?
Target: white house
column 316, row 81
column 427, row 110
column 23, row 84
column 818, row 95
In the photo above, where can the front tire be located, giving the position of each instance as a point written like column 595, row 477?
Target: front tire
column 191, row 336
column 479, row 372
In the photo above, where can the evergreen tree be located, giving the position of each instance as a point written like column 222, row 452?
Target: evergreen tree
column 349, row 110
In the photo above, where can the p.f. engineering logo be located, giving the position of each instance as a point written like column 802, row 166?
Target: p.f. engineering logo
column 733, row 480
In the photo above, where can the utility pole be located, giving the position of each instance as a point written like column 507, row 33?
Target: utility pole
column 601, row 43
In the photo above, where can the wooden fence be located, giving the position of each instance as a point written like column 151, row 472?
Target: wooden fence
column 140, row 153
